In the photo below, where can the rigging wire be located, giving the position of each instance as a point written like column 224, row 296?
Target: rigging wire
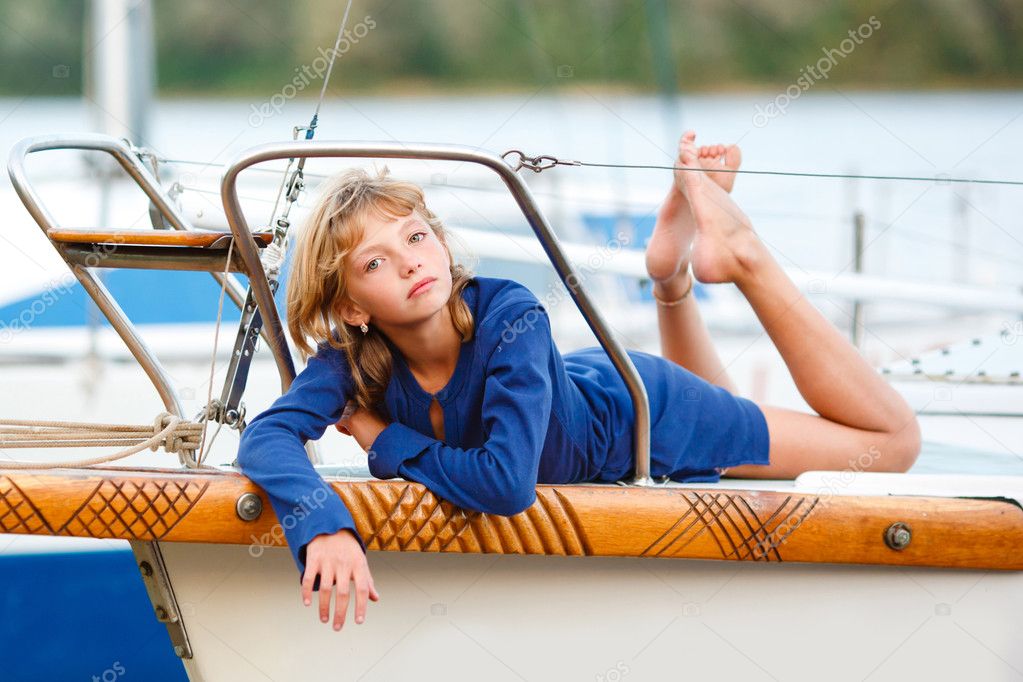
column 545, row 162
column 274, row 253
column 540, row 163
column 772, row 215
column 295, row 184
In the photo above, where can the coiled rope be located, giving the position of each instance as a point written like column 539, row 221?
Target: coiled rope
column 168, row 431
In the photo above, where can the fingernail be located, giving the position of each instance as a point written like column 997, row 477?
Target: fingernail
column 358, row 620
column 307, row 602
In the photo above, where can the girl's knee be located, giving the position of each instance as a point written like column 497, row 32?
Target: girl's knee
column 902, row 448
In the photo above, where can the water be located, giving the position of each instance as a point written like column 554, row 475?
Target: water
column 917, row 230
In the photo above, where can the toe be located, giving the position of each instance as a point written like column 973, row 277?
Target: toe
column 689, row 157
column 733, row 156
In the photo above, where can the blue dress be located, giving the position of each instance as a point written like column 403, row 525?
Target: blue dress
column 516, row 413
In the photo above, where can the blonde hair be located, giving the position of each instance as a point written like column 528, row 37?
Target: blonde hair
column 317, row 289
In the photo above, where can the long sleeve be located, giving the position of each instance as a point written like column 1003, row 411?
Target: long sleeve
column 499, row 477
column 272, row 453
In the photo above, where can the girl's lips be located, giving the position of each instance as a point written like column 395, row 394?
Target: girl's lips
column 421, row 288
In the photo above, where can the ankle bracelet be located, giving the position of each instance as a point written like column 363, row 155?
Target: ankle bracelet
column 669, row 304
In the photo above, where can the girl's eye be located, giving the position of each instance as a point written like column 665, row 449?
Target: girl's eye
column 371, row 269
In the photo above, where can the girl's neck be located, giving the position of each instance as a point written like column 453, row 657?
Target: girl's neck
column 431, row 349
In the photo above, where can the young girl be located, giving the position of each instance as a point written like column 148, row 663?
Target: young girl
column 454, row 381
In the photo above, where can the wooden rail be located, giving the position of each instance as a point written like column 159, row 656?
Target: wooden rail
column 715, row 522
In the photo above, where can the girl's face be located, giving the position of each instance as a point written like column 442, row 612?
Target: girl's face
column 384, row 269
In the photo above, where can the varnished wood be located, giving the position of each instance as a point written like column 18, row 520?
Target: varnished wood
column 584, row 520
column 151, row 237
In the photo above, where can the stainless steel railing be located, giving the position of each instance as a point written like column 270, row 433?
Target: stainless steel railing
column 72, row 254
column 439, row 152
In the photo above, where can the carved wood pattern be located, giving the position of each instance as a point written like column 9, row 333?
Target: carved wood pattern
column 408, row 517
column 137, row 510
column 566, row 520
column 735, row 526
column 18, row 514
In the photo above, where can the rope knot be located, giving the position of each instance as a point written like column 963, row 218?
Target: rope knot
column 182, row 436
column 160, row 423
column 173, row 433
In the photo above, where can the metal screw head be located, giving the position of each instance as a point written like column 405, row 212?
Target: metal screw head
column 161, row 613
column 898, row 535
column 146, row 569
column 179, row 650
column 249, row 507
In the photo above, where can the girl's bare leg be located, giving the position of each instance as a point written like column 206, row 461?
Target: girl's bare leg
column 684, row 336
column 861, row 421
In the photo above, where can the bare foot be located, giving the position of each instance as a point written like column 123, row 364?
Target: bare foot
column 669, row 248
column 720, row 156
column 725, row 247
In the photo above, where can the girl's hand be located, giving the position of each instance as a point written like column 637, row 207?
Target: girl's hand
column 338, row 558
column 364, row 425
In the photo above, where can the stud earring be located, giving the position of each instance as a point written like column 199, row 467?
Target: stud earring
column 363, row 328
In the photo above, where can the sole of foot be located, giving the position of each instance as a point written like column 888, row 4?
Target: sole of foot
column 670, row 247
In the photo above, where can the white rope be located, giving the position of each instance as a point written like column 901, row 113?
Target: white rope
column 205, row 445
column 168, row 431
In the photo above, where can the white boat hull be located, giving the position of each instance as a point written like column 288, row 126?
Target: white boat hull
column 511, row 617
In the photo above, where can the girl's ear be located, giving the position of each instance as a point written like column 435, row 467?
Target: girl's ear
column 351, row 313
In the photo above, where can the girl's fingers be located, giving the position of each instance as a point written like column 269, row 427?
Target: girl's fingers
column 308, row 578
column 339, row 576
column 341, row 607
column 361, row 592
column 373, row 594
column 326, row 581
